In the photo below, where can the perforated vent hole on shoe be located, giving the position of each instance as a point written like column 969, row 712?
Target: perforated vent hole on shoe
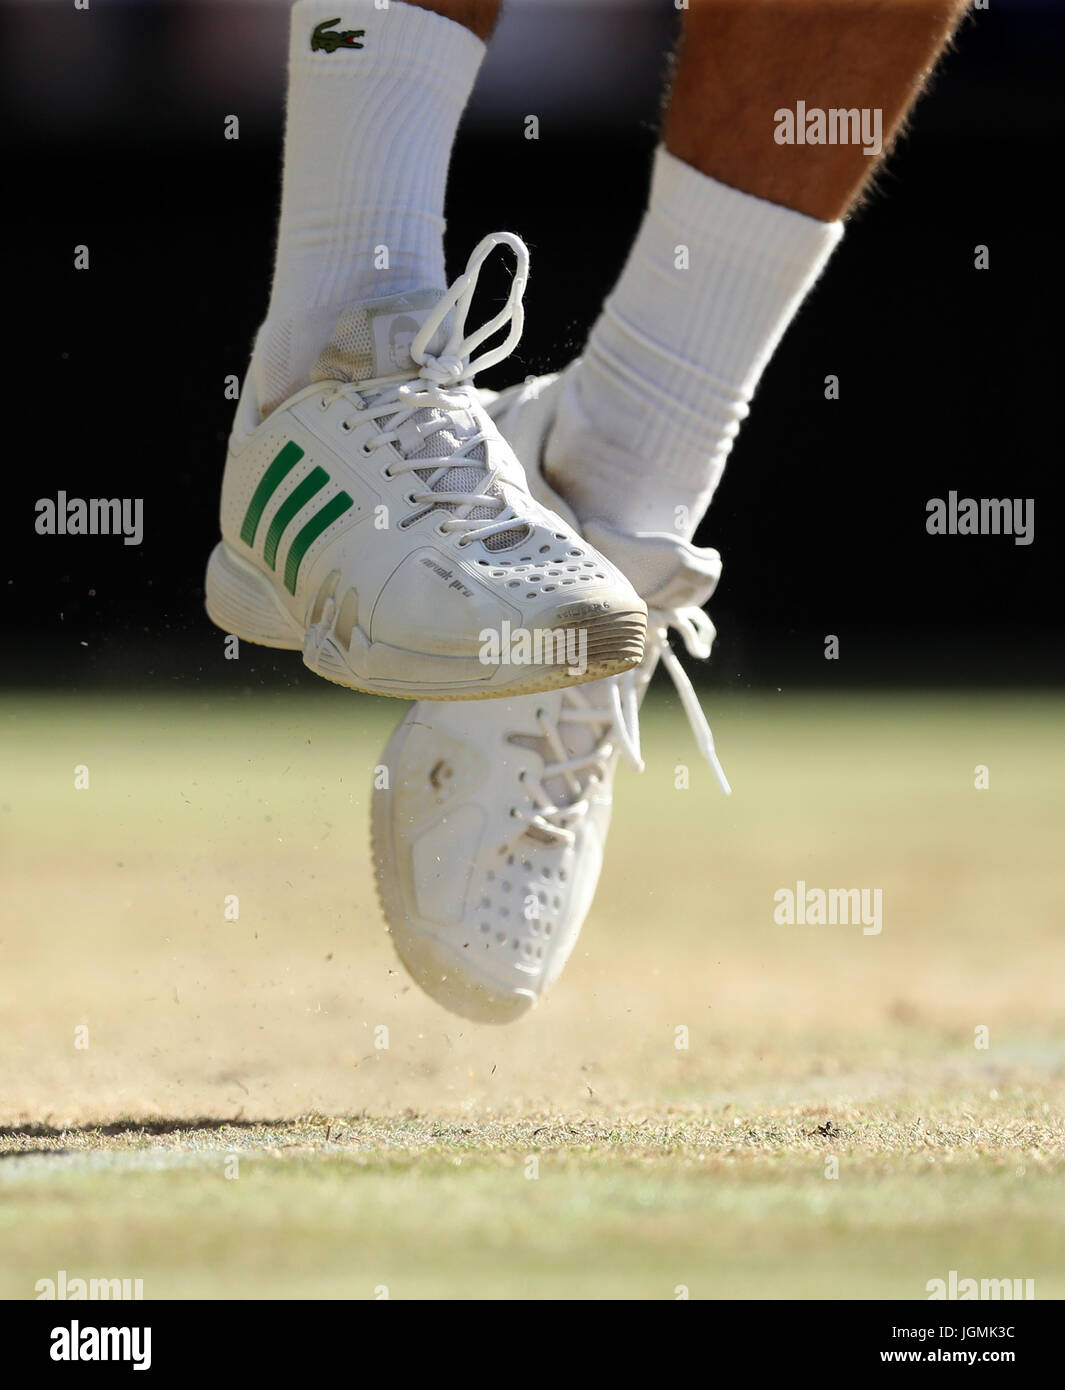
column 485, row 927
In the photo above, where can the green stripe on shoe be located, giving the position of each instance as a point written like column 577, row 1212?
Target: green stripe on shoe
column 297, row 499
column 310, row 533
column 282, row 466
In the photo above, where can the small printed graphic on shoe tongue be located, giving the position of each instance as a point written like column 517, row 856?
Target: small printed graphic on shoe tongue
column 373, row 339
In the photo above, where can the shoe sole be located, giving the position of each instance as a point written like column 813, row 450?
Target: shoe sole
column 242, row 601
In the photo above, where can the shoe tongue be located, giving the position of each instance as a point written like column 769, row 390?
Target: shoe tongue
column 373, row 338
column 665, row 570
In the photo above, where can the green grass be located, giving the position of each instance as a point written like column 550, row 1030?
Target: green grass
column 412, row 1168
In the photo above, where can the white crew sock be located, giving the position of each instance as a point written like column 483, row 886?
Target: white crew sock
column 650, row 412
column 368, row 139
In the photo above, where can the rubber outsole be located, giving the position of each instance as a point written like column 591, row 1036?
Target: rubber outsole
column 242, row 601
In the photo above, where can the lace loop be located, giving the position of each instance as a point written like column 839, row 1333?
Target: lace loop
column 700, row 726
column 456, row 363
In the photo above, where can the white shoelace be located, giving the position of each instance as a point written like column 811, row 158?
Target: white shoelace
column 443, row 382
column 620, row 720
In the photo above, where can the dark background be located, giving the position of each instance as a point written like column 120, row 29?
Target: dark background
column 112, row 133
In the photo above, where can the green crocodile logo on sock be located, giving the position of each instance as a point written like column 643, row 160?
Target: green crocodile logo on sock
column 330, row 42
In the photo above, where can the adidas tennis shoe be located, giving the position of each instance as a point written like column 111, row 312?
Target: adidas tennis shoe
column 489, row 835
column 378, row 521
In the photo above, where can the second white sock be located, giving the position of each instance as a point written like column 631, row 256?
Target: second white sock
column 649, row 414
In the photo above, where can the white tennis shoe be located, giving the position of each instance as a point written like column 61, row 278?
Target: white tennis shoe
column 489, row 837
column 378, row 520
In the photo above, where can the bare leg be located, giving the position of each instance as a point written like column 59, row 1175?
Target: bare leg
column 478, row 15
column 741, row 61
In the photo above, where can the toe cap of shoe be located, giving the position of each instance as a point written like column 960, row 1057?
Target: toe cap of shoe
column 448, row 979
